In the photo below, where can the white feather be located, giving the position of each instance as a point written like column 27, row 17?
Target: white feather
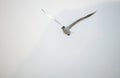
column 51, row 17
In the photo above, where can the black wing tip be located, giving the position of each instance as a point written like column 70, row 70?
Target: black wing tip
column 94, row 12
column 91, row 14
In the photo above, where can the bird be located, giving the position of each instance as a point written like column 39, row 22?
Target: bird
column 66, row 29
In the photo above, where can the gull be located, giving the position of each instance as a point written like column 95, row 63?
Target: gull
column 66, row 29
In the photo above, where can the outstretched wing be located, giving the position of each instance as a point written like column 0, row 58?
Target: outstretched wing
column 75, row 22
column 51, row 17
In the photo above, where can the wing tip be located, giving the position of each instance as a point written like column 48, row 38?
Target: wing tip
column 43, row 11
column 94, row 12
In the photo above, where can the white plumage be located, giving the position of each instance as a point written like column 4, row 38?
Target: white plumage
column 66, row 29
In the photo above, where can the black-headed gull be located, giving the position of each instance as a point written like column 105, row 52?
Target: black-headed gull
column 66, row 29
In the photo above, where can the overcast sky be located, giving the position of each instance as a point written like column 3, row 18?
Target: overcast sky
column 32, row 45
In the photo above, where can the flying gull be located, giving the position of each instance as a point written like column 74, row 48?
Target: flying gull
column 66, row 29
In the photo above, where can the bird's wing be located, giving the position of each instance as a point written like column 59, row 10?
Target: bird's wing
column 80, row 19
column 51, row 17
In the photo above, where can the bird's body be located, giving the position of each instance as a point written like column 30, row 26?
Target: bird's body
column 66, row 29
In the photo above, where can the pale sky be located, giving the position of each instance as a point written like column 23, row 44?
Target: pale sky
column 32, row 45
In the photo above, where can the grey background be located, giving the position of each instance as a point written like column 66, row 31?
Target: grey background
column 34, row 46
column 92, row 51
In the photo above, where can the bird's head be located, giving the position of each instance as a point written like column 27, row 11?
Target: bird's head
column 63, row 27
